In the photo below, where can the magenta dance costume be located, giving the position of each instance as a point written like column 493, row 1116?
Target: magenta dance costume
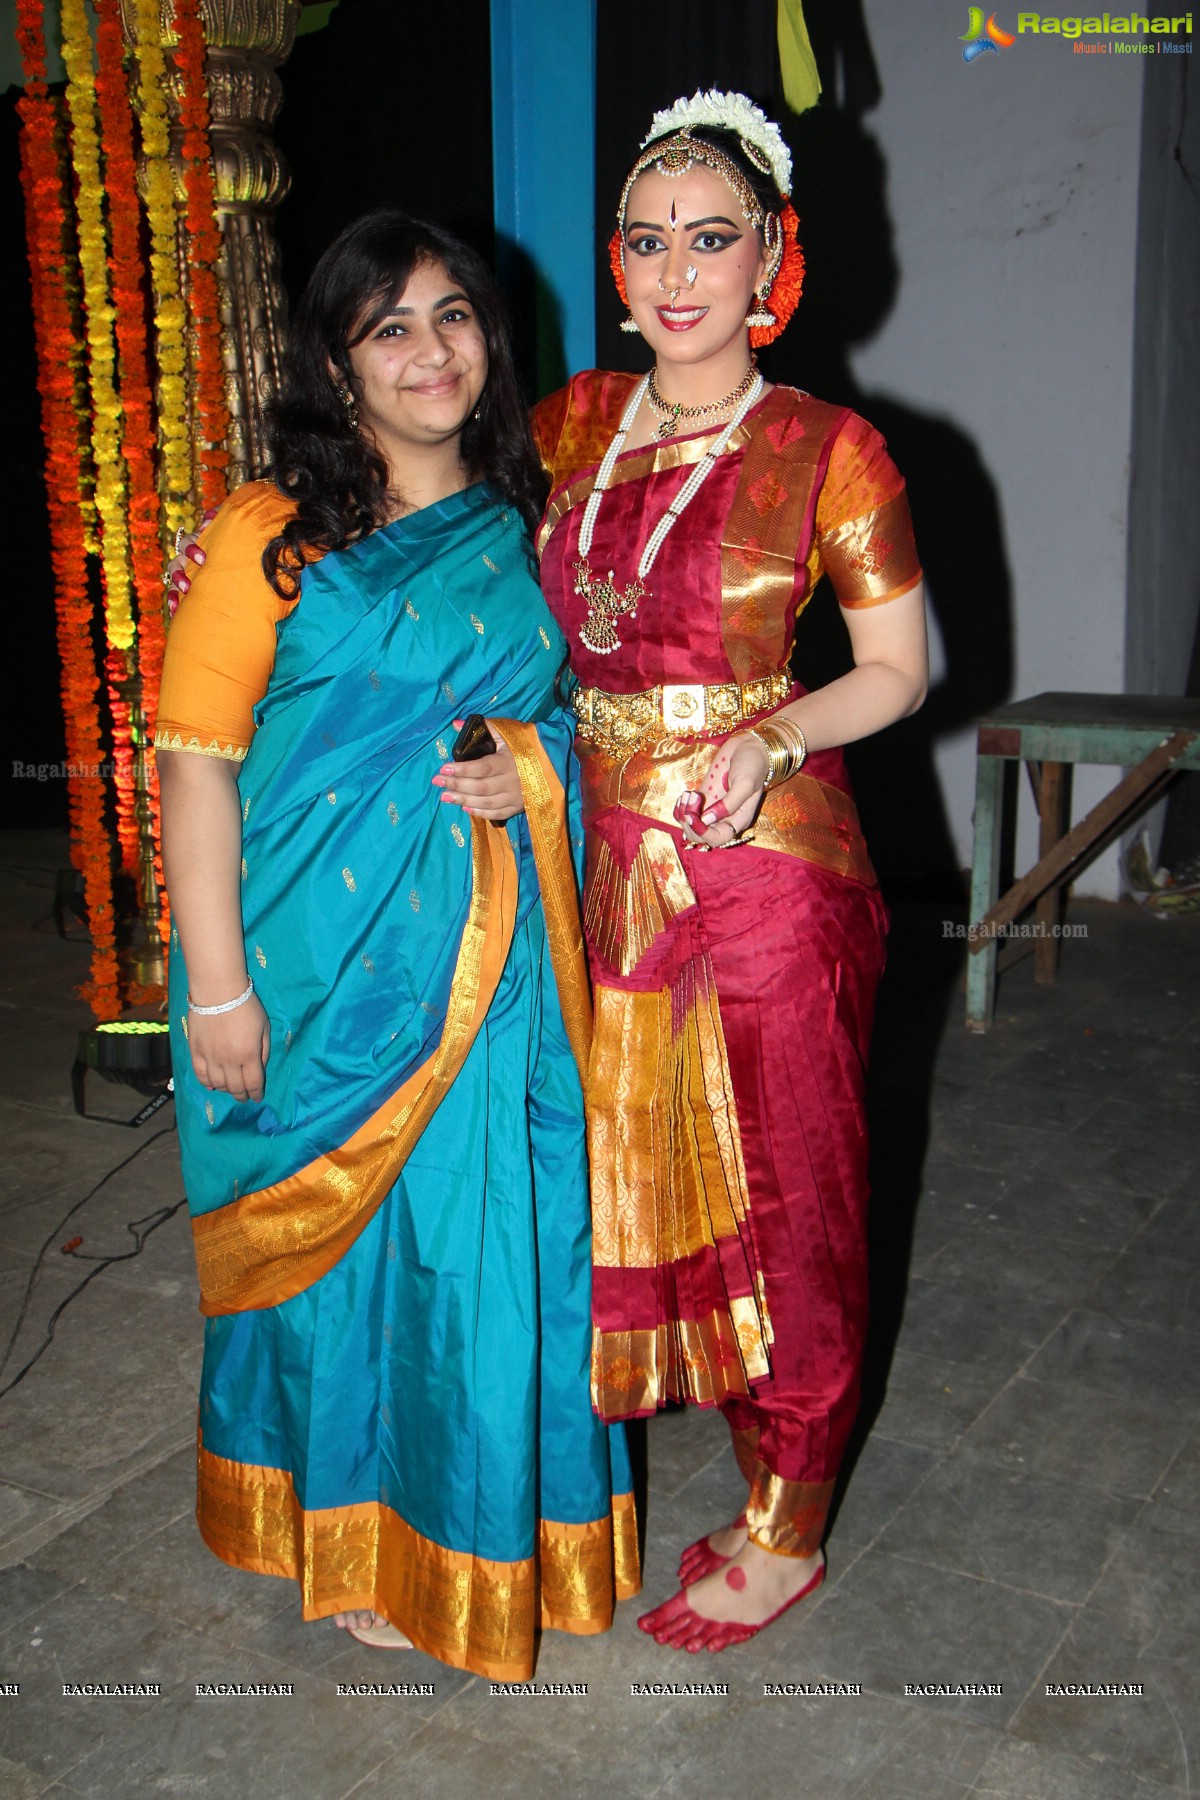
column 733, row 993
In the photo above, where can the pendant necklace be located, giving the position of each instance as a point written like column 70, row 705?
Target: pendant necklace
column 675, row 417
column 605, row 601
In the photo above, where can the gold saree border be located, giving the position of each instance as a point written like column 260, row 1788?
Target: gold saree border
column 269, row 1245
column 802, row 817
column 700, row 1362
column 546, row 816
column 468, row 1611
column 165, row 739
column 648, row 459
column 769, row 531
column 660, row 1074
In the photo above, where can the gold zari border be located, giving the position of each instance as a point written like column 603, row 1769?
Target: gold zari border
column 650, row 459
column 699, row 1361
column 545, row 814
column 174, row 740
column 269, row 1245
column 274, row 1243
column 660, row 1075
column 468, row 1611
column 801, row 817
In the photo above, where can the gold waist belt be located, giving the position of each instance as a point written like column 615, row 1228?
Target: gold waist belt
column 624, row 722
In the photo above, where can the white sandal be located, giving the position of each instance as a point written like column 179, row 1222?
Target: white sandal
column 380, row 1637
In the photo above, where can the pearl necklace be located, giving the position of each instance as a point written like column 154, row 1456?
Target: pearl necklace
column 673, row 415
column 605, row 600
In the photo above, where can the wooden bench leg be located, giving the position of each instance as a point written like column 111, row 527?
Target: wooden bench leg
column 985, row 886
column 1053, row 801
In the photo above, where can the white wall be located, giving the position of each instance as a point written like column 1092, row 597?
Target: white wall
column 1013, row 189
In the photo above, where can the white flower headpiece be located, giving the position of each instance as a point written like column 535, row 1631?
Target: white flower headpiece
column 736, row 113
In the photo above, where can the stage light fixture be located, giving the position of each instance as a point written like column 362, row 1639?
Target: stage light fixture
column 135, row 1053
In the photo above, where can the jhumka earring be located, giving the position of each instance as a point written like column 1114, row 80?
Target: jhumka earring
column 760, row 315
column 347, row 399
column 630, row 324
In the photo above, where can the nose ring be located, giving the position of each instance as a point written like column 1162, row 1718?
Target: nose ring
column 690, row 275
column 674, row 292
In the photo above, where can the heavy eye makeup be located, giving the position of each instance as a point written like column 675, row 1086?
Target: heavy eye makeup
column 707, row 241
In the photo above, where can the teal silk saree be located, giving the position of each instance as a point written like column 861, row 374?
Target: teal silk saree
column 394, row 1245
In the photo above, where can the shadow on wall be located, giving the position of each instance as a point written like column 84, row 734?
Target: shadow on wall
column 852, row 282
column 853, row 279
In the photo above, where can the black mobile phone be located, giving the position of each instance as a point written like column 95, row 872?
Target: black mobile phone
column 474, row 740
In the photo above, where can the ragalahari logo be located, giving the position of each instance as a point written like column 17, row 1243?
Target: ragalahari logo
column 979, row 37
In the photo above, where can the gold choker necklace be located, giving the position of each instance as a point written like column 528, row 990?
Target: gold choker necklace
column 674, row 417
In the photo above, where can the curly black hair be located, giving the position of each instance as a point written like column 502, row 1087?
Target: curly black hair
column 336, row 477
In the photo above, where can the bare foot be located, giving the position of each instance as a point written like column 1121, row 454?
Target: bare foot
column 372, row 1629
column 734, row 1601
column 710, row 1552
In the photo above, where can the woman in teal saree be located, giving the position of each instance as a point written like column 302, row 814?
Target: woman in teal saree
column 379, row 1005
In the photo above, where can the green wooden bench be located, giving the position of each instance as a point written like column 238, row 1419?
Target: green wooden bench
column 1150, row 736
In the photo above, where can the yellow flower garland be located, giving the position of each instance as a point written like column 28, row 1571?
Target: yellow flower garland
column 170, row 314
column 93, row 260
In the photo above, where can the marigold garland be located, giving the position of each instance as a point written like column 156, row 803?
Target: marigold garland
column 129, row 299
column 111, row 484
column 785, row 291
column 93, row 260
column 203, row 253
column 169, row 309
column 56, row 334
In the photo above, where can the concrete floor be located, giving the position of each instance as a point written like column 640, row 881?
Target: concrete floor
column 1022, row 1507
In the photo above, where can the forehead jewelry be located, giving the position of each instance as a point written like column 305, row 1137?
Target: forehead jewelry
column 673, row 218
column 676, row 156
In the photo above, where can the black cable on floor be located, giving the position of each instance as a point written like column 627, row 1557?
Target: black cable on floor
column 151, row 1222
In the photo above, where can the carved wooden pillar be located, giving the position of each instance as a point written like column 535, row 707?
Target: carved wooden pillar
column 247, row 41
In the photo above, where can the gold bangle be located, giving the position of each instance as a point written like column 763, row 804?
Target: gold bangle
column 779, row 752
column 783, row 741
column 795, row 736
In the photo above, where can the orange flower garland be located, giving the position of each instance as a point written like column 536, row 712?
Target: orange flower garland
column 784, row 296
column 204, row 250
column 169, row 310
column 56, row 333
column 93, row 260
column 140, row 425
column 111, row 491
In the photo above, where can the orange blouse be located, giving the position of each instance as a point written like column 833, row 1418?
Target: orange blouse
column 221, row 645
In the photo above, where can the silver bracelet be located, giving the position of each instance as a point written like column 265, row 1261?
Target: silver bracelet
column 208, row 1012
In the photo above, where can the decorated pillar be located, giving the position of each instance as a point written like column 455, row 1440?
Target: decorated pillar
column 246, row 40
